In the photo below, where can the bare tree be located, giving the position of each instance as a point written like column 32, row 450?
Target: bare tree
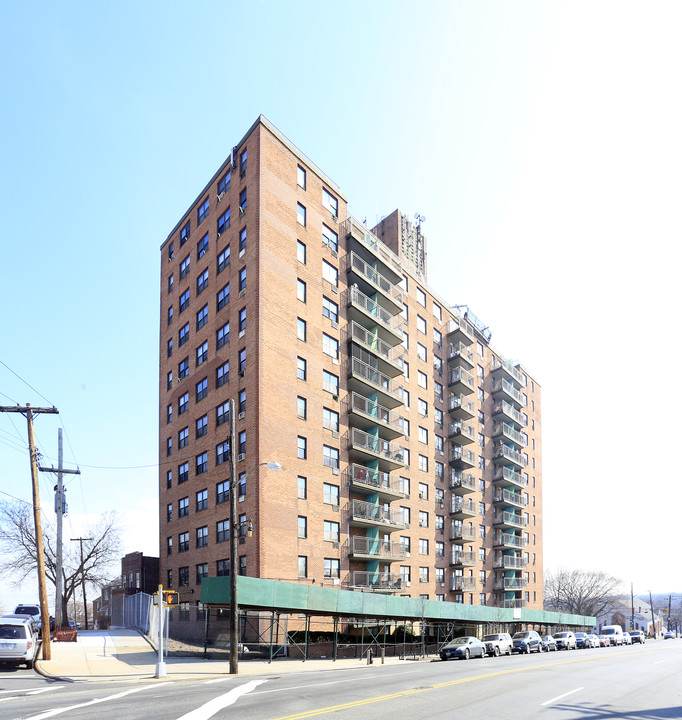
column 18, row 548
column 581, row 592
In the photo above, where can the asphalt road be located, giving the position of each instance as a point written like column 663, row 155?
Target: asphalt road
column 639, row 683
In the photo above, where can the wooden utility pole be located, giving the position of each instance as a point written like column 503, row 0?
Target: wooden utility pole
column 85, row 602
column 59, row 509
column 29, row 412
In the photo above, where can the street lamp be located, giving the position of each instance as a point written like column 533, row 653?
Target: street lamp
column 235, row 530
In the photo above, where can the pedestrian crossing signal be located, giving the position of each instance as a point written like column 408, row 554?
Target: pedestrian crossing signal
column 171, row 597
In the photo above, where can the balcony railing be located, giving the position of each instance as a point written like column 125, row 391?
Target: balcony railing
column 357, row 265
column 460, row 407
column 459, row 330
column 509, row 541
column 511, row 584
column 461, row 432
column 464, row 558
column 510, row 519
column 383, row 449
column 507, row 431
column 372, row 514
column 500, row 365
column 510, row 562
column 506, row 497
column 463, row 482
column 459, row 353
column 506, row 454
column 372, row 342
column 461, row 380
column 376, row 548
column 376, row 379
column 376, row 413
column 503, row 407
column 367, row 479
column 462, row 534
column 378, row 315
column 464, row 507
column 514, row 603
column 460, row 583
column 507, row 475
column 353, row 227
column 462, row 457
column 500, row 385
column 377, row 581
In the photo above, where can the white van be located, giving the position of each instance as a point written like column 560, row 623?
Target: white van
column 614, row 634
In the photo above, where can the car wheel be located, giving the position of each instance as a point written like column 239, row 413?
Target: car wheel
column 496, row 652
column 29, row 664
column 527, row 649
column 466, row 654
column 509, row 651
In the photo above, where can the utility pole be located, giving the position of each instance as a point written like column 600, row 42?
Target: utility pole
column 653, row 614
column 632, row 599
column 59, row 508
column 85, row 602
column 29, row 412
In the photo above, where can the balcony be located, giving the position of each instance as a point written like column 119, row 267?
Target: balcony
column 509, row 541
column 503, row 390
column 461, row 535
column 506, row 497
column 503, row 455
column 366, row 548
column 367, row 414
column 368, row 481
column 366, row 448
column 390, row 359
column 462, row 459
column 502, row 409
column 506, row 431
column 464, row 558
column 364, row 514
column 461, row 381
column 459, row 330
column 371, row 249
column 462, row 509
column 380, row 582
column 370, row 314
column 509, row 520
column 459, row 355
column 507, row 370
column 368, row 380
column 462, row 483
column 371, row 281
column 506, row 476
column 460, row 408
column 461, row 433
column 510, row 584
column 510, row 562
column 514, row 603
column 463, row 584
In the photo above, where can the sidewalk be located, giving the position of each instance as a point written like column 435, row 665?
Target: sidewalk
column 124, row 654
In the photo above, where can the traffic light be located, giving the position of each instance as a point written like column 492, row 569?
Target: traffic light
column 171, row 597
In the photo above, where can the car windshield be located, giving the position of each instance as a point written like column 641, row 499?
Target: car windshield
column 27, row 610
column 562, row 635
column 609, row 631
column 491, row 637
column 521, row 635
column 11, row 632
column 461, row 641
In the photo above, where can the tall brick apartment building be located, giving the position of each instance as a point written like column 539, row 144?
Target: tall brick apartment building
column 410, row 450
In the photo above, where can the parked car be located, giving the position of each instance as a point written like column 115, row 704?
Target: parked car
column 669, row 635
column 581, row 640
column 463, row 648
column 566, row 641
column 637, row 636
column 627, row 640
column 18, row 639
column 548, row 643
column 593, row 640
column 32, row 609
column 498, row 644
column 527, row 642
column 604, row 640
column 614, row 632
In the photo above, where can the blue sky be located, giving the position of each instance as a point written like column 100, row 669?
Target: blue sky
column 540, row 140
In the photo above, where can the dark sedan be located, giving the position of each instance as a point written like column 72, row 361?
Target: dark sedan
column 463, row 648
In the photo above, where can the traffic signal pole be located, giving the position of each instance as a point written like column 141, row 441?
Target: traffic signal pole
column 160, row 665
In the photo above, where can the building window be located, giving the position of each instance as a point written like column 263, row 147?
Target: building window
column 301, row 369
column 223, row 222
column 422, row 407
column 202, row 212
column 242, row 241
column 222, row 570
column 330, row 383
column 183, row 335
column 302, row 566
column 201, row 426
column 183, row 403
column 183, row 369
column 301, row 408
column 421, row 325
column 242, row 321
column 183, row 438
column 330, row 346
column 223, row 296
column 184, row 233
column 183, row 581
column 169, row 414
column 223, row 335
column 423, row 571
column 330, row 309
column 202, row 247
column 202, row 353
column 222, row 413
column 222, row 453
column 202, row 536
column 331, row 567
column 170, row 315
column 202, row 572
column 223, row 374
column 479, row 348
column 169, row 513
column 242, row 203
column 242, row 443
column 423, row 546
column 300, row 177
column 202, row 389
column 242, row 280
column 302, row 448
column 330, row 457
column 202, row 317
column 202, row 463
column 241, row 402
column 423, row 518
column 422, row 379
column 183, row 473
column 330, row 238
column 202, row 282
column 438, row 443
column 222, row 492
column 423, row 435
column 330, row 202
column 301, row 252
column 169, row 479
column 423, row 463
column 300, row 214
column 169, row 546
column 301, row 329
column 330, row 273
column 330, row 419
column 184, row 301
column 242, row 163
column 241, row 359
column 202, row 500
column 224, row 183
column 330, row 494
column 171, row 251
column 331, row 531
column 183, row 511
column 222, row 532
column 302, row 527
column 439, row 470
column 302, row 492
column 301, row 290
column 170, row 283
column 421, row 297
column 184, row 268
column 223, row 259
column 421, row 351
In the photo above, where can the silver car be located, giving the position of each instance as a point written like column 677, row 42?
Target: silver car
column 18, row 641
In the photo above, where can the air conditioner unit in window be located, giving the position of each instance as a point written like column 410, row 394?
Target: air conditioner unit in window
column 335, row 434
column 335, row 471
column 335, row 508
column 241, row 373
column 335, row 218
column 220, row 197
column 335, row 325
column 242, row 293
column 241, row 415
column 219, row 234
column 242, row 210
column 421, row 496
column 407, row 583
column 241, row 456
column 335, row 289
column 336, row 581
column 335, row 397
column 407, row 554
column 335, row 545
column 335, row 254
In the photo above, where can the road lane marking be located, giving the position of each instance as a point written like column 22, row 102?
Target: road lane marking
column 217, row 680
column 207, row 710
column 559, row 697
column 52, row 687
column 331, row 682
column 58, row 711
column 450, row 683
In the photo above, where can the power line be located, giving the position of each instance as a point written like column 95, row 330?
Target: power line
column 26, row 383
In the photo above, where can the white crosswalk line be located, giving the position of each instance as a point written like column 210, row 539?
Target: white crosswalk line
column 210, row 708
